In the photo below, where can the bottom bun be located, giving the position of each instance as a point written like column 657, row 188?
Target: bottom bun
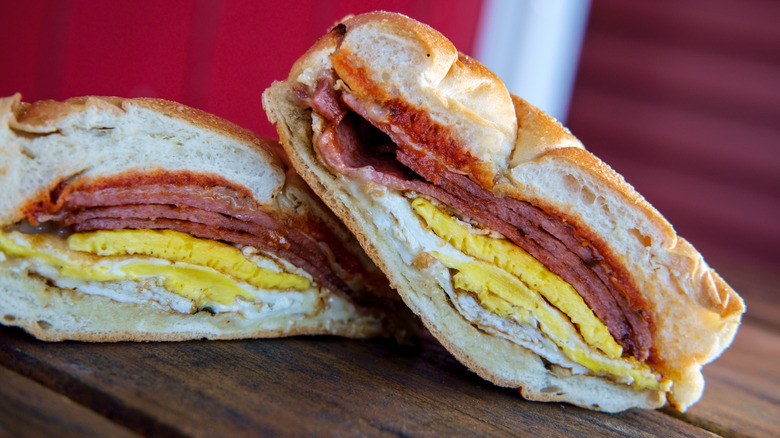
column 53, row 313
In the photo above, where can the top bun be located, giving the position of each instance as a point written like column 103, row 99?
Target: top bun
column 99, row 136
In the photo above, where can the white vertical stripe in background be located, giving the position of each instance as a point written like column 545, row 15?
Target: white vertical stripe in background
column 534, row 47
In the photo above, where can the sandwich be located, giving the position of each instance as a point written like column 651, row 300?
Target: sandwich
column 531, row 260
column 146, row 220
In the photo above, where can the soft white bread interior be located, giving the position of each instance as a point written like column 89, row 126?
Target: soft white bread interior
column 96, row 136
column 48, row 143
column 520, row 153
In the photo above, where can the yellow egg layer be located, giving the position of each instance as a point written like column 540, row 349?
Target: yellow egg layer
column 511, row 283
column 52, row 251
column 184, row 271
column 519, row 263
column 194, row 282
column 181, row 247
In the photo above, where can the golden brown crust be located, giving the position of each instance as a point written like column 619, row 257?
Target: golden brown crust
column 42, row 116
column 537, row 133
column 403, row 26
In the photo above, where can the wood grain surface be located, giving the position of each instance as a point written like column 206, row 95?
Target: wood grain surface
column 301, row 386
column 326, row 386
column 28, row 408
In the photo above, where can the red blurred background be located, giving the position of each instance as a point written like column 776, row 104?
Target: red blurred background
column 215, row 55
column 681, row 97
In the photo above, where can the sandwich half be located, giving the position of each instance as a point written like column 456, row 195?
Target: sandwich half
column 530, row 260
column 146, row 220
